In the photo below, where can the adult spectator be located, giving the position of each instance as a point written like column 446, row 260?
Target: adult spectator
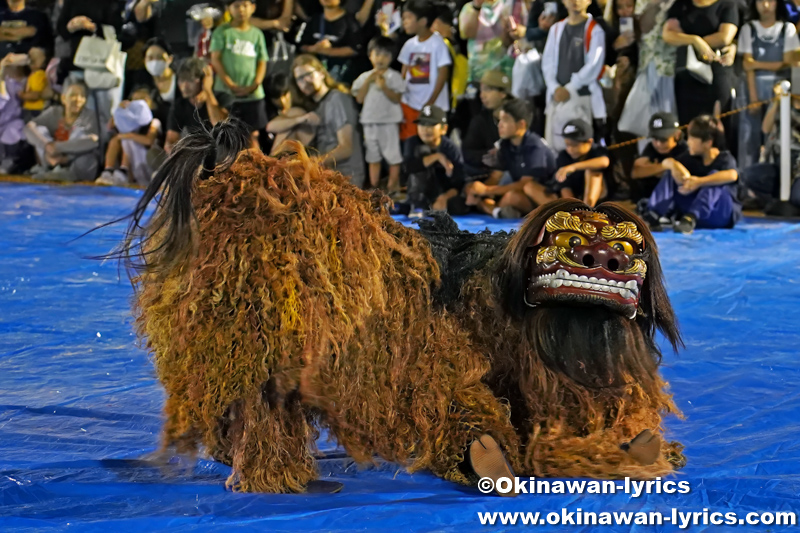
column 482, row 132
column 66, row 138
column 80, row 18
column 485, row 26
column 338, row 139
column 708, row 26
column 170, row 21
column 22, row 28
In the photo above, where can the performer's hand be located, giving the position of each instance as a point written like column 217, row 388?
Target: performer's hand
column 561, row 94
column 563, row 172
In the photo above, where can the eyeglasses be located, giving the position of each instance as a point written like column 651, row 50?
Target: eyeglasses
column 304, row 76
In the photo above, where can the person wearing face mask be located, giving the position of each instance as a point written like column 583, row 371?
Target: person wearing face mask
column 158, row 62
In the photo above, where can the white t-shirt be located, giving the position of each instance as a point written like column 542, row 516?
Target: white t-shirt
column 424, row 59
column 771, row 34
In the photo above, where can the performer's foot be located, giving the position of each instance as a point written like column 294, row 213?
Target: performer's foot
column 487, row 460
column 319, row 486
column 645, row 448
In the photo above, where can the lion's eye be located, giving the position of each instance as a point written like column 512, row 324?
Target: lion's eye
column 622, row 246
column 568, row 239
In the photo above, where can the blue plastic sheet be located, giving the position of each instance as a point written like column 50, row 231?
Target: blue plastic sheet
column 80, row 408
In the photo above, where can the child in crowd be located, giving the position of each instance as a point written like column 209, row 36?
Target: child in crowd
column 239, row 56
column 66, row 137
column 698, row 189
column 524, row 160
column 665, row 142
column 289, row 123
column 380, row 91
column 13, row 147
column 583, row 165
column 434, row 164
column 126, row 155
column 482, row 135
column 37, row 89
column 426, row 65
column 572, row 62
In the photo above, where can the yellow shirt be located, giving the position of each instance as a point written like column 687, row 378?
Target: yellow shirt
column 37, row 82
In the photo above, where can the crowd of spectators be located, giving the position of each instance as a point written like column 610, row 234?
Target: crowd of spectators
column 483, row 106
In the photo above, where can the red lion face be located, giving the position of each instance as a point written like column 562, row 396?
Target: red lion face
column 584, row 258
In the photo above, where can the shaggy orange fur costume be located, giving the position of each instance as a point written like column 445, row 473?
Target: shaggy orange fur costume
column 276, row 296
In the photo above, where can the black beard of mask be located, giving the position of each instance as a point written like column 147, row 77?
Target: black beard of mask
column 594, row 346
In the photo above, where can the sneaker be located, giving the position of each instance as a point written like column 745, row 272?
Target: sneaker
column 685, row 225
column 109, row 177
column 654, row 221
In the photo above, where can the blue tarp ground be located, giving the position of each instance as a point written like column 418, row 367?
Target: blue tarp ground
column 80, row 407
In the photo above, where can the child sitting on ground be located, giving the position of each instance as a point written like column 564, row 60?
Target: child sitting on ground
column 699, row 188
column 665, row 142
column 126, row 155
column 582, row 167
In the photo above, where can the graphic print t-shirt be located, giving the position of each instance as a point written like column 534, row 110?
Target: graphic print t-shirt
column 241, row 52
column 423, row 60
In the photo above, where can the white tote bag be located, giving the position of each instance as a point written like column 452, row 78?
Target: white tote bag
column 651, row 93
column 98, row 53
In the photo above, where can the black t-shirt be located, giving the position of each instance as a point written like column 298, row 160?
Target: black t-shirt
column 653, row 155
column 704, row 21
column 26, row 17
column 480, row 138
column 532, row 158
column 576, row 181
column 696, row 167
column 341, row 33
column 416, row 150
column 269, row 9
column 185, row 117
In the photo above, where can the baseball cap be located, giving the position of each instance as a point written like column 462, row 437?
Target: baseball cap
column 663, row 126
column 577, row 130
column 497, row 79
column 431, row 115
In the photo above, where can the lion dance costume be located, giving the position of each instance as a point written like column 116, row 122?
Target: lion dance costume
column 277, row 298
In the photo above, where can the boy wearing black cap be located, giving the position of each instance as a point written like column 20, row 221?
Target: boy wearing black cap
column 665, row 142
column 582, row 165
column 433, row 162
column 523, row 159
column 700, row 188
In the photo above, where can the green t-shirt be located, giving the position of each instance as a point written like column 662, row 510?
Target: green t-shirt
column 241, row 52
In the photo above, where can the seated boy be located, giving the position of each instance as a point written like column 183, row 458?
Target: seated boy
column 434, row 163
column 665, row 142
column 697, row 189
column 523, row 158
column 582, row 166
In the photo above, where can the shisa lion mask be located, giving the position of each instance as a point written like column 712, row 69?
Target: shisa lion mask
column 583, row 258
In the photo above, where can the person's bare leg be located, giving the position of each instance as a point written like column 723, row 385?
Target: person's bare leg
column 374, row 174
column 538, row 193
column 593, row 187
column 394, row 178
column 518, row 201
column 113, row 152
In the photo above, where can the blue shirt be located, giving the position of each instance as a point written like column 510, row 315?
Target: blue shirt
column 533, row 157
